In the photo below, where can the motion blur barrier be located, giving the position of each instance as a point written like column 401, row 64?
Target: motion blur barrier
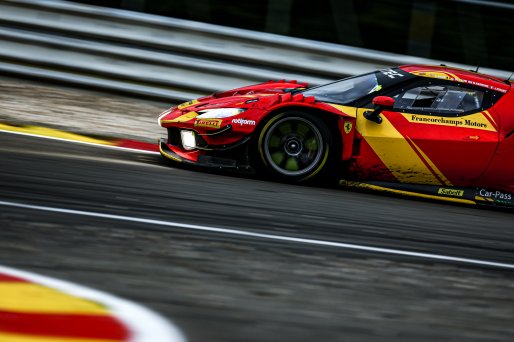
column 464, row 31
column 165, row 58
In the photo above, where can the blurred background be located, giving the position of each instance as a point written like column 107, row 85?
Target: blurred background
column 178, row 50
column 463, row 31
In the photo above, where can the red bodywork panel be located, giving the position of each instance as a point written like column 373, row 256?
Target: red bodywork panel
column 475, row 149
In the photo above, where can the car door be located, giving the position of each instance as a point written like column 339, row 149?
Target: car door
column 438, row 132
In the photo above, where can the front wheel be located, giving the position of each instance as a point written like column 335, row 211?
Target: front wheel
column 295, row 146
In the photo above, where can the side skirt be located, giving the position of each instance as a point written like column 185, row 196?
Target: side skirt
column 462, row 195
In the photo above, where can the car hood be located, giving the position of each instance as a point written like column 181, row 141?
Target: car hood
column 245, row 97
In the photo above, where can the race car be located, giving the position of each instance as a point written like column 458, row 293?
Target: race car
column 428, row 131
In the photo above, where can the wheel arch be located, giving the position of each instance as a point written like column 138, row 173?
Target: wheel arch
column 331, row 121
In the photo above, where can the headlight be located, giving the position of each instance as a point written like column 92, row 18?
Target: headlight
column 219, row 113
column 188, row 139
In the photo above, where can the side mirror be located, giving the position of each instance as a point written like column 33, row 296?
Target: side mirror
column 380, row 102
column 384, row 101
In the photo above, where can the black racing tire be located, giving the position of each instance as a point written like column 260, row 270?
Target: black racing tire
column 294, row 146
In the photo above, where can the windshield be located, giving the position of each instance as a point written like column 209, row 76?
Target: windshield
column 347, row 90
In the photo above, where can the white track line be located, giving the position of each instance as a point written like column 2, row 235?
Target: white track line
column 144, row 325
column 81, row 142
column 237, row 232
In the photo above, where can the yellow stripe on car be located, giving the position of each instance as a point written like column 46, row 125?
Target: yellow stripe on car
column 183, row 118
column 350, row 111
column 167, row 155
column 486, row 113
column 431, row 165
column 395, row 151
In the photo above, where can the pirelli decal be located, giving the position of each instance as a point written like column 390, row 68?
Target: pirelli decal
column 481, row 121
column 209, row 123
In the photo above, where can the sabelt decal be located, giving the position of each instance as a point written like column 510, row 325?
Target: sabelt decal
column 187, row 104
column 450, row 192
column 403, row 192
column 474, row 121
column 209, row 123
column 244, row 122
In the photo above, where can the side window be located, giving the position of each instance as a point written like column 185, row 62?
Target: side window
column 444, row 99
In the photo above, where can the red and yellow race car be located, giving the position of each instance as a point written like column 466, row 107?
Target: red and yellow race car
column 429, row 131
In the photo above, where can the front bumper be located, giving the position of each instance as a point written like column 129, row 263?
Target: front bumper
column 229, row 157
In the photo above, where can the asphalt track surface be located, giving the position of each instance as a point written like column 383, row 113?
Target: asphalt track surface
column 230, row 287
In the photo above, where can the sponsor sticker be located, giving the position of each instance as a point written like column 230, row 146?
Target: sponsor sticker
column 450, row 192
column 347, row 127
column 243, row 122
column 497, row 196
column 436, row 74
column 483, row 85
column 451, row 77
column 476, row 121
column 209, row 123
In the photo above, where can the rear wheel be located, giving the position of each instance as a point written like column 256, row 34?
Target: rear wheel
column 295, row 146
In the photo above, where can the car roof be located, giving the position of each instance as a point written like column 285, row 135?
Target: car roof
column 458, row 75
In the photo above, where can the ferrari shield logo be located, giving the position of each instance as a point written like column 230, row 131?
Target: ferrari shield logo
column 348, row 127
